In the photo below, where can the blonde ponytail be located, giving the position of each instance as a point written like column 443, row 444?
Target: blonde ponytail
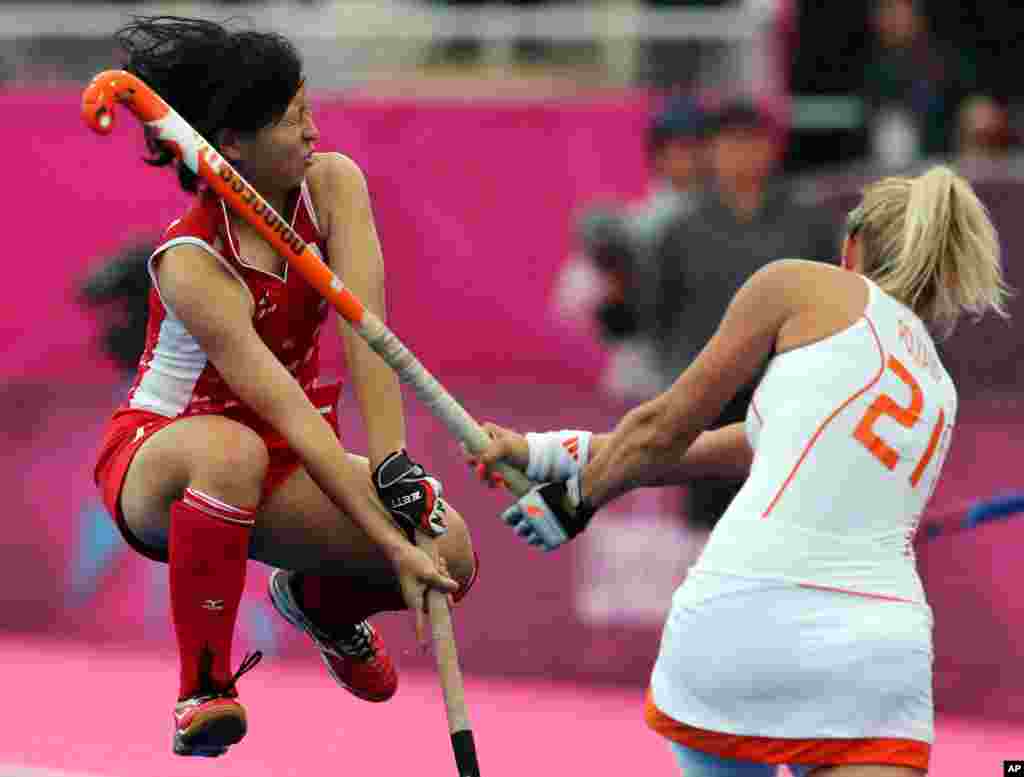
column 929, row 242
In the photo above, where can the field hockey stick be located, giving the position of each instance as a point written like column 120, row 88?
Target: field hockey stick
column 995, row 508
column 446, row 657
column 117, row 86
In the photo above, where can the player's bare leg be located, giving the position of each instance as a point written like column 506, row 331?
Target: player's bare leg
column 192, row 489
column 299, row 528
column 338, row 579
column 346, row 577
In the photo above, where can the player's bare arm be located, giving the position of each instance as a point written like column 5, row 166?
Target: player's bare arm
column 650, row 440
column 341, row 193
column 719, row 453
column 654, row 443
column 216, row 310
column 412, row 496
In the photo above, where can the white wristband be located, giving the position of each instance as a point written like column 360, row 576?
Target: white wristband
column 557, row 456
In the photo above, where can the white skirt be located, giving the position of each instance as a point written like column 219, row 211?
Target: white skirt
column 773, row 659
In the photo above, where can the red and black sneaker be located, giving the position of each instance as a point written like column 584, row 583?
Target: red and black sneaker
column 207, row 723
column 357, row 660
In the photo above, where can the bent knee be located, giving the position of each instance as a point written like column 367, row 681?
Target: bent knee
column 459, row 555
column 232, row 465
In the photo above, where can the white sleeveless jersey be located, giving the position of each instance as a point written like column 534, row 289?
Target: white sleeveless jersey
column 804, row 617
column 849, row 435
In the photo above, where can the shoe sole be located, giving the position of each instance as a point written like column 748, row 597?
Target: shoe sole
column 281, row 590
column 211, row 733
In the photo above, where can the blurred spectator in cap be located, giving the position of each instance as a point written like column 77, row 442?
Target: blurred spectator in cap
column 746, row 145
column 984, row 129
column 747, row 219
column 913, row 85
column 675, row 147
column 616, row 267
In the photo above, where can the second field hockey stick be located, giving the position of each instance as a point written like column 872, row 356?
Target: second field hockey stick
column 996, row 508
column 163, row 122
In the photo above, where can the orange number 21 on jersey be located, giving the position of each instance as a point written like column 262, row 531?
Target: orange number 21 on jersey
column 904, row 416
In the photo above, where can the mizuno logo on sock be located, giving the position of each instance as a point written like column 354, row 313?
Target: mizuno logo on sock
column 214, row 605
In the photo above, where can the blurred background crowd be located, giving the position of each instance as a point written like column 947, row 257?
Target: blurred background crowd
column 749, row 98
column 585, row 183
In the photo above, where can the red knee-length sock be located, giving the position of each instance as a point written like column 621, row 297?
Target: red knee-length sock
column 208, row 550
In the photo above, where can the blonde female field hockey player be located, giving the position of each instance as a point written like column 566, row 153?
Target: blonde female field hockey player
column 227, row 446
column 802, row 635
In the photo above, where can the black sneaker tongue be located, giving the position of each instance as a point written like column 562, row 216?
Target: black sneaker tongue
column 342, row 633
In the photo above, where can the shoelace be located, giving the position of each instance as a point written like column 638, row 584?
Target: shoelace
column 250, row 660
column 359, row 645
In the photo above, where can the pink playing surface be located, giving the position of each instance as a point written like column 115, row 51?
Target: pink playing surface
column 105, row 712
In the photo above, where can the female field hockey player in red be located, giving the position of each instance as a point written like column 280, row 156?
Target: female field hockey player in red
column 226, row 447
column 802, row 635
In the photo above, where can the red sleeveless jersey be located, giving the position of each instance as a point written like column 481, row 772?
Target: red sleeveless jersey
column 175, row 378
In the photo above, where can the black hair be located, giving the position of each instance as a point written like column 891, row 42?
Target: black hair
column 214, row 77
column 122, row 285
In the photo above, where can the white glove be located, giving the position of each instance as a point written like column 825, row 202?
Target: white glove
column 549, row 515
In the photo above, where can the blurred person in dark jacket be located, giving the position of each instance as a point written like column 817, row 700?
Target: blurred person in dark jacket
column 747, row 219
column 913, row 84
